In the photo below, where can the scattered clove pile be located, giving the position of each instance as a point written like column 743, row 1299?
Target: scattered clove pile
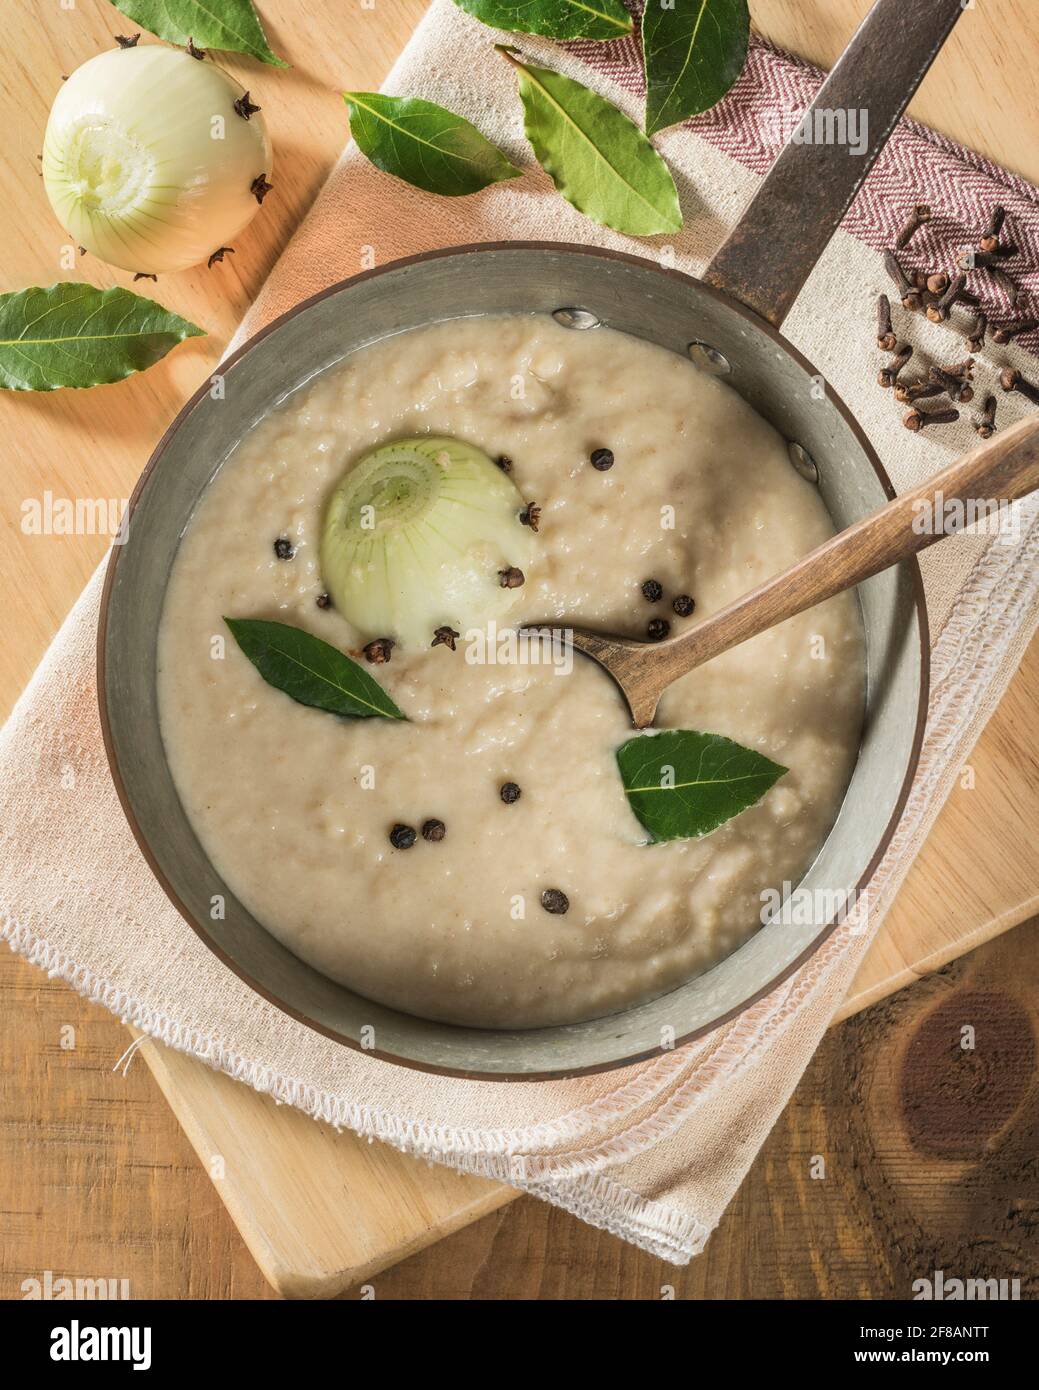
column 936, row 294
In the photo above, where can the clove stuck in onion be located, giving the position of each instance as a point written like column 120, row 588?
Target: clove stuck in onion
column 146, row 161
column 414, row 536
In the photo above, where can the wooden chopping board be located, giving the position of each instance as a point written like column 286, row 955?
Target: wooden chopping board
column 322, row 1212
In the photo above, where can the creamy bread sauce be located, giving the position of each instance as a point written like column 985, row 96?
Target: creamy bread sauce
column 295, row 805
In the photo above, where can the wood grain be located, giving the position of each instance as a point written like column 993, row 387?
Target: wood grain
column 319, row 1210
column 954, row 897
column 97, row 1178
column 928, row 1162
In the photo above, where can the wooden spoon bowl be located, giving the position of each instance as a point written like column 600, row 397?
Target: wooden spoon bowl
column 986, row 481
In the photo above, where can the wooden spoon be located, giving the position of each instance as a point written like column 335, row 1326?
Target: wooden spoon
column 1002, row 470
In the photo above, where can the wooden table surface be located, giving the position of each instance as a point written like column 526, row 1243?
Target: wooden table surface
column 96, row 1178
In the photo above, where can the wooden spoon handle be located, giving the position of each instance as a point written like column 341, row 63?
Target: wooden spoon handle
column 1005, row 468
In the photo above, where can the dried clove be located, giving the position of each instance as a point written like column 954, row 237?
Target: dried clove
column 378, row 652
column 985, row 422
column 194, row 52
column 244, row 107
column 919, row 216
column 259, row 187
column 504, row 463
column 990, row 237
column 985, row 260
column 144, row 275
column 952, row 383
column 937, row 283
column 1010, row 379
column 962, row 369
column 127, row 40
column 909, row 391
column 913, row 300
column 445, row 637
column 1015, row 330
column 219, row 254
column 939, row 312
column 887, row 376
column 510, row 578
column 975, row 333
column 907, row 292
column 917, row 420
column 530, row 516
column 886, row 340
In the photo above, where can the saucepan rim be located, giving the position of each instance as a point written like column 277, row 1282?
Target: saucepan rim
column 202, row 394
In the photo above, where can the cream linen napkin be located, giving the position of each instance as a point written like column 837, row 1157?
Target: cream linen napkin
column 655, row 1152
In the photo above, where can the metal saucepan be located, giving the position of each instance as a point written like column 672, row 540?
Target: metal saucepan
column 733, row 314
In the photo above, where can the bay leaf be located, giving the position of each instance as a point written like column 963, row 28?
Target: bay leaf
column 424, row 144
column 597, row 158
column 554, row 19
column 233, row 26
column 74, row 335
column 682, row 784
column 693, row 51
column 309, row 670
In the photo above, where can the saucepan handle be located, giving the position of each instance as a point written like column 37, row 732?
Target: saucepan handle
column 770, row 253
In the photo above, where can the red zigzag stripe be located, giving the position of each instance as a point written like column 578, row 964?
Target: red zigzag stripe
column 917, row 166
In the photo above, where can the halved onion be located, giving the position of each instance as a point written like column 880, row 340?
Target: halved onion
column 146, row 162
column 416, row 536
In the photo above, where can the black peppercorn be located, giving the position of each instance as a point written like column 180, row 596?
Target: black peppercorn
column 683, row 605
column 652, row 590
column 602, row 459
column 531, row 516
column 283, row 548
column 555, row 901
column 658, row 629
column 402, row 836
column 324, row 600
column 433, row 830
column 510, row 792
column 510, row 578
column 378, row 652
